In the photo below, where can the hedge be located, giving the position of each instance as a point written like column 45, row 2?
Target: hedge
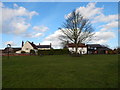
column 53, row 52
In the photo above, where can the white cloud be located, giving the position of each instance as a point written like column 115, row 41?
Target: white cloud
column 1, row 4
column 41, row 28
column 110, row 25
column 38, row 35
column 89, row 11
column 15, row 5
column 54, row 39
column 102, row 37
column 103, row 18
column 10, row 13
column 10, row 42
column 14, row 20
column 96, row 15
column 33, row 35
column 38, row 31
column 98, row 38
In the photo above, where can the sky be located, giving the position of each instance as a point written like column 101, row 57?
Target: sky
column 38, row 22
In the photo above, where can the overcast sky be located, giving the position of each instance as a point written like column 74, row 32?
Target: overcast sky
column 38, row 22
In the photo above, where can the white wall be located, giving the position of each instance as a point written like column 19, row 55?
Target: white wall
column 43, row 48
column 83, row 50
column 18, row 51
column 27, row 47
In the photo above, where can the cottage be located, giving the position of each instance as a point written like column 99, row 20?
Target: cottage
column 82, row 48
column 31, row 46
column 88, row 48
column 97, row 49
column 10, row 49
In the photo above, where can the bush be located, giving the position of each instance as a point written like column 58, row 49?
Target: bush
column 23, row 52
column 110, row 52
column 53, row 52
column 32, row 51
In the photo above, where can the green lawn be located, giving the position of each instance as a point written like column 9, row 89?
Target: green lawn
column 60, row 71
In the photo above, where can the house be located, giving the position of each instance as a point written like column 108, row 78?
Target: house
column 10, row 49
column 97, row 49
column 88, row 48
column 31, row 46
column 82, row 48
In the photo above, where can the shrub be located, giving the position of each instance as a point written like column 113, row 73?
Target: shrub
column 110, row 52
column 32, row 51
column 53, row 52
column 23, row 52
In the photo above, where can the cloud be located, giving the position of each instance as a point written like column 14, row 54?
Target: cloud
column 89, row 11
column 96, row 15
column 103, row 18
column 102, row 37
column 33, row 35
column 109, row 26
column 15, row 5
column 10, row 42
column 98, row 38
column 10, row 13
column 1, row 4
column 38, row 31
column 41, row 28
column 38, row 34
column 14, row 20
column 54, row 39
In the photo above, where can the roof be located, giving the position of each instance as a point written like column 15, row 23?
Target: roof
column 74, row 45
column 39, row 46
column 16, row 49
column 43, row 46
column 33, row 45
column 104, row 48
column 94, row 45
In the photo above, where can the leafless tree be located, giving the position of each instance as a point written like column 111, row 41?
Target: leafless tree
column 76, row 29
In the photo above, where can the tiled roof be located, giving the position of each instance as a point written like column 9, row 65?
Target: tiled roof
column 104, row 48
column 39, row 46
column 43, row 46
column 73, row 45
column 33, row 45
column 94, row 45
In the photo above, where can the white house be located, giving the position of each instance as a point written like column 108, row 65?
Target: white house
column 82, row 48
column 31, row 46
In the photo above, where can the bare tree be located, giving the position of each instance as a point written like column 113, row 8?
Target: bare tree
column 76, row 29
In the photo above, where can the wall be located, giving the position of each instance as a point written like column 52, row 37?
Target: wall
column 43, row 48
column 27, row 47
column 83, row 50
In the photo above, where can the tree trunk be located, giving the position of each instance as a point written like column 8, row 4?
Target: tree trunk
column 76, row 49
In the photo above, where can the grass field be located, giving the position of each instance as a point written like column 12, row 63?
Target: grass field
column 89, row 71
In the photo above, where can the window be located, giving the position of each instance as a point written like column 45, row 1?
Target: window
column 27, row 48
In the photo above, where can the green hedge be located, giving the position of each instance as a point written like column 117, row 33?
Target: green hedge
column 53, row 52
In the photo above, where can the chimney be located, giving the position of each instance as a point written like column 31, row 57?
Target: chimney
column 32, row 43
column 39, row 44
column 22, row 43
